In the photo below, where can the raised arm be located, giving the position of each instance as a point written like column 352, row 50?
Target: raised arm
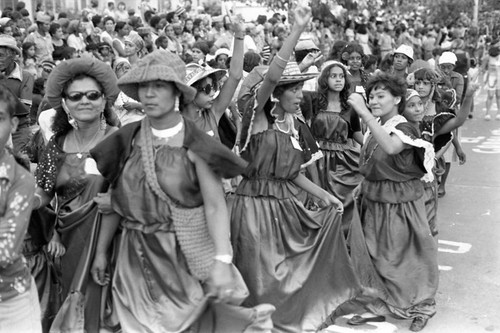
column 235, row 71
column 302, row 17
column 391, row 144
column 462, row 114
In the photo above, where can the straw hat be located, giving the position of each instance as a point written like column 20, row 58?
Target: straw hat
column 197, row 72
column 92, row 67
column 292, row 74
column 159, row 65
column 42, row 18
column 9, row 42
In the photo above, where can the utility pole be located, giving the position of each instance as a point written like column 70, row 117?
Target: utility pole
column 475, row 13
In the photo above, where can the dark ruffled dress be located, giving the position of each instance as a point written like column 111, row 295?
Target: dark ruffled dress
column 153, row 289
column 338, row 170
column 290, row 257
column 428, row 126
column 391, row 243
column 64, row 175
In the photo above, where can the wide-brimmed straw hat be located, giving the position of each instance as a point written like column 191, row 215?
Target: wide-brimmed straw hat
column 9, row 42
column 292, row 74
column 160, row 65
column 92, row 67
column 197, row 72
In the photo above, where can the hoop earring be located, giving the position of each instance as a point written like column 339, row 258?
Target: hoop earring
column 72, row 121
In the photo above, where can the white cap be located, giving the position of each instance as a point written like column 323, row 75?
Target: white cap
column 447, row 58
column 406, row 50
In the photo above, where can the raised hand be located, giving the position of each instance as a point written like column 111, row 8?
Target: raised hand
column 302, row 15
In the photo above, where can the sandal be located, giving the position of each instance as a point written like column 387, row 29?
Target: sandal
column 358, row 320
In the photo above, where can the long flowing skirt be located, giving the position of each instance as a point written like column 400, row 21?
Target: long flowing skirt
column 292, row 258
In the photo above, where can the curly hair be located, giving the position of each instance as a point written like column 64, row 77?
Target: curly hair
column 61, row 125
column 349, row 49
column 396, row 86
column 323, row 89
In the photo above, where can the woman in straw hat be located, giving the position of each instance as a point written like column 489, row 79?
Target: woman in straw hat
column 337, row 129
column 283, row 250
column 210, row 103
column 82, row 92
column 173, row 272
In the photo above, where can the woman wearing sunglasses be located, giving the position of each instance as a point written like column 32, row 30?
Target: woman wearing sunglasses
column 211, row 101
column 82, row 92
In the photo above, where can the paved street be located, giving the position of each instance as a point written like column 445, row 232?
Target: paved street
column 468, row 299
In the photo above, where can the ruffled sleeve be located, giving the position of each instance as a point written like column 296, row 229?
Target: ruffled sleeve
column 410, row 136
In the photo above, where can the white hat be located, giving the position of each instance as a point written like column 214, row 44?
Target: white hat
column 306, row 44
column 223, row 50
column 406, row 50
column 447, row 58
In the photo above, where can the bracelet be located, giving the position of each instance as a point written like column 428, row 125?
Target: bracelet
column 240, row 37
column 281, row 58
column 224, row 258
column 39, row 197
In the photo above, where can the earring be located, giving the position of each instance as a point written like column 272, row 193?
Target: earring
column 176, row 104
column 103, row 122
column 72, row 122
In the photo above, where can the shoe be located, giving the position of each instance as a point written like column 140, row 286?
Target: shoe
column 418, row 324
column 487, row 117
column 358, row 320
column 470, row 116
column 441, row 192
column 497, row 117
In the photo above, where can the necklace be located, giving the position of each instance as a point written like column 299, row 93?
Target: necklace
column 163, row 136
column 279, row 129
column 85, row 148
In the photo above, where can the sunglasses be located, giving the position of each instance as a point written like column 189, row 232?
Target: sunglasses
column 207, row 89
column 92, row 95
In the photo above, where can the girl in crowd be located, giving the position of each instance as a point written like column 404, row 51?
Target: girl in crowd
column 75, row 37
column 127, row 109
column 436, row 111
column 122, row 30
column 109, row 32
column 353, row 56
column 207, row 108
column 436, row 120
column 283, row 250
column 19, row 306
column 392, row 236
column 82, row 92
column 337, row 129
column 134, row 47
column 58, row 41
column 29, row 59
column 165, row 176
